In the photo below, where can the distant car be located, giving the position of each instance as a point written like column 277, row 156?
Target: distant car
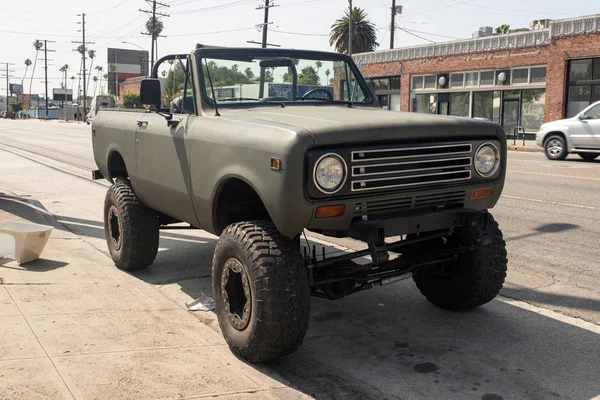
column 8, row 115
column 580, row 135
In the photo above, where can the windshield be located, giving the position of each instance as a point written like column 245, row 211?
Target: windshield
column 280, row 80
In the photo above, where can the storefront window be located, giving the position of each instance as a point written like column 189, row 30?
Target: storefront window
column 486, row 105
column 381, row 84
column 532, row 109
column 430, row 82
column 487, row 78
column 512, row 94
column 596, row 94
column 457, row 80
column 578, row 99
column 597, row 69
column 417, row 82
column 395, row 102
column 472, row 78
column 580, row 70
column 395, row 84
column 459, row 104
column 421, row 103
column 538, row 75
column 384, row 101
column 520, row 76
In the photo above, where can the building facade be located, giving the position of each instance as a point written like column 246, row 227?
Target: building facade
column 519, row 79
column 124, row 64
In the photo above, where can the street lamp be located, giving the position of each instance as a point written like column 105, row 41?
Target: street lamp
column 136, row 45
column 139, row 47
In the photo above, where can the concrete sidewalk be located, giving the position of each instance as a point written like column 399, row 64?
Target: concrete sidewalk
column 72, row 326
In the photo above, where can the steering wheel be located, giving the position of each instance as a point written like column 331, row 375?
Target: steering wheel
column 318, row 90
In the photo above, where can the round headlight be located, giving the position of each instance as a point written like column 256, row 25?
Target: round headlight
column 330, row 173
column 487, row 160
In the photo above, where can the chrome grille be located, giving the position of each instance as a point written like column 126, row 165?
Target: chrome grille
column 411, row 166
column 443, row 200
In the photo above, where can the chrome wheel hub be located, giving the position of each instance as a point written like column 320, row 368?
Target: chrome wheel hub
column 554, row 148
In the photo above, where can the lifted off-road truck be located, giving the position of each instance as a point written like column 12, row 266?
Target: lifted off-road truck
column 259, row 146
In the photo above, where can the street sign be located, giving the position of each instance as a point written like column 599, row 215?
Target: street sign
column 23, row 106
column 16, row 88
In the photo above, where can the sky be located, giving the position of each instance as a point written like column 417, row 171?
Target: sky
column 302, row 24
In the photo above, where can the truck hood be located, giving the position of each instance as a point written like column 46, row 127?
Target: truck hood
column 325, row 123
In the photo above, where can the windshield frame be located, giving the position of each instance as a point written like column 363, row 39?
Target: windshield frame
column 224, row 53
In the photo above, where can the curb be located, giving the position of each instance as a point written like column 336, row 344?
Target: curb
column 512, row 147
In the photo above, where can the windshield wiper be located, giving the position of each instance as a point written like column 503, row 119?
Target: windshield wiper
column 323, row 100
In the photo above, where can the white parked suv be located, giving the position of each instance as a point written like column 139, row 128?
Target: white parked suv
column 580, row 134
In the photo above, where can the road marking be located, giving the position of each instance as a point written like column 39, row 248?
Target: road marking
column 584, row 178
column 577, row 322
column 554, row 203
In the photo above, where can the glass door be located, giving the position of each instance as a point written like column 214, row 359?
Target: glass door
column 444, row 104
column 510, row 115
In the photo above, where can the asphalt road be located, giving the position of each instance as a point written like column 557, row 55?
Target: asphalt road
column 389, row 342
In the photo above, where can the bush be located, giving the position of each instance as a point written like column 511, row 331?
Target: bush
column 131, row 100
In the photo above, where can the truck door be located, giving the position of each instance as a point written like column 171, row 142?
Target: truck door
column 163, row 155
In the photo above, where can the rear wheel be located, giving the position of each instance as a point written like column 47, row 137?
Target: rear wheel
column 474, row 279
column 131, row 228
column 261, row 291
column 589, row 156
column 555, row 148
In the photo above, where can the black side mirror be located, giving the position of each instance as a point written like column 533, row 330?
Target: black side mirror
column 151, row 93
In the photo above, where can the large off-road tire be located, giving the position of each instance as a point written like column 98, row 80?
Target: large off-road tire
column 474, row 279
column 131, row 228
column 555, row 148
column 589, row 156
column 261, row 291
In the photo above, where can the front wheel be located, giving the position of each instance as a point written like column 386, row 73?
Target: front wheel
column 589, row 156
column 474, row 279
column 556, row 148
column 261, row 291
column 131, row 228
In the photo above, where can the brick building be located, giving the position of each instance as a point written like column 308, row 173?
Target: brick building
column 519, row 79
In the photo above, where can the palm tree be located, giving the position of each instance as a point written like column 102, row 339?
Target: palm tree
column 154, row 27
column 364, row 33
column 37, row 45
column 92, row 54
column 502, row 29
column 27, row 65
column 105, row 77
column 72, row 82
column 327, row 73
column 95, row 84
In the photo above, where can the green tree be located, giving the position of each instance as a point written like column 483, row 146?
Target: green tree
column 364, row 33
column 309, row 76
column 154, row 27
column 131, row 100
column 175, row 82
column 92, row 55
column 16, row 107
column 223, row 76
column 249, row 73
column 502, row 29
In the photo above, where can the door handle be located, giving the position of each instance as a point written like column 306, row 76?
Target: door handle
column 141, row 123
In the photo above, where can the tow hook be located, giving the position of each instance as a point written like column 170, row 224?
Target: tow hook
column 480, row 232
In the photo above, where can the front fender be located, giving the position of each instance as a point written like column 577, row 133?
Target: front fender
column 541, row 136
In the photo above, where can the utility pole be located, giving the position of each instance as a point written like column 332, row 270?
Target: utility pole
column 8, row 76
column 396, row 10
column 264, row 44
column 153, row 36
column 83, row 57
column 46, row 51
column 350, row 29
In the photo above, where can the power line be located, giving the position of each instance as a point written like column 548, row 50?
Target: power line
column 415, row 35
column 299, row 33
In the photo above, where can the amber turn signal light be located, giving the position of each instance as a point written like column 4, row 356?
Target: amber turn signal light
column 330, row 211
column 484, row 193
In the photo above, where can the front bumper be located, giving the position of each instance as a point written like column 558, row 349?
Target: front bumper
column 408, row 212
